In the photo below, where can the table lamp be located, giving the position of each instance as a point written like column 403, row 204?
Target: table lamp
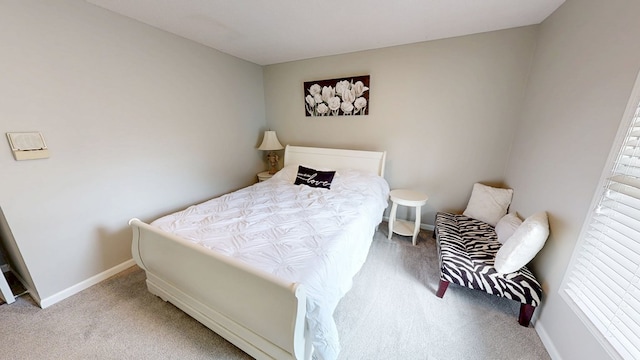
column 270, row 143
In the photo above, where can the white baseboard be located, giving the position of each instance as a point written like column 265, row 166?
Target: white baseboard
column 4, row 268
column 423, row 226
column 547, row 342
column 46, row 302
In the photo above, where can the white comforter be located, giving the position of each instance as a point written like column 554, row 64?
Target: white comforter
column 316, row 237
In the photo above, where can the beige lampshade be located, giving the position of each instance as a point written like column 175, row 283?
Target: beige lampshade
column 270, row 141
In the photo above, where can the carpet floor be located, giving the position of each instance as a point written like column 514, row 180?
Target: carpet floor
column 390, row 313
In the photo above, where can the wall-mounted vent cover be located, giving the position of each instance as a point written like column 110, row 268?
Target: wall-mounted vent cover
column 28, row 145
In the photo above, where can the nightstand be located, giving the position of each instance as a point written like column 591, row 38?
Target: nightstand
column 264, row 176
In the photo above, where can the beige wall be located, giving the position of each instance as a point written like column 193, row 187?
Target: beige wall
column 443, row 110
column 585, row 65
column 138, row 122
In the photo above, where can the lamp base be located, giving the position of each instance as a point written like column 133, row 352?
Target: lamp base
column 273, row 159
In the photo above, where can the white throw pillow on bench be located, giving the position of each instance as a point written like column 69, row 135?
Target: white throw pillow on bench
column 507, row 226
column 524, row 244
column 488, row 204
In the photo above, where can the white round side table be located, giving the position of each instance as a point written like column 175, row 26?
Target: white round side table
column 406, row 198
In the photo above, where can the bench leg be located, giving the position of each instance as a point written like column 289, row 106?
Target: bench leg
column 442, row 288
column 526, row 312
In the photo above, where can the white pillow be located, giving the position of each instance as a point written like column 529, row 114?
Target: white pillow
column 524, row 244
column 488, row 204
column 288, row 173
column 507, row 226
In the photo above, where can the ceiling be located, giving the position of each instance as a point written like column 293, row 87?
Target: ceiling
column 275, row 31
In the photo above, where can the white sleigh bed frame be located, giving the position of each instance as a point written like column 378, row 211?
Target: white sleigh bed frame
column 256, row 311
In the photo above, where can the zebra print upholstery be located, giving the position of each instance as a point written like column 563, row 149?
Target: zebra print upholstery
column 467, row 249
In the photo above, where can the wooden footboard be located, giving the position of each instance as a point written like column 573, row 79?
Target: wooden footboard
column 259, row 313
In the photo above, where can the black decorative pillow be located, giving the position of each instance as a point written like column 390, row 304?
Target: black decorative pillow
column 314, row 178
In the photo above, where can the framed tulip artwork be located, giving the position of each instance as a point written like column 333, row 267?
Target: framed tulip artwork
column 337, row 97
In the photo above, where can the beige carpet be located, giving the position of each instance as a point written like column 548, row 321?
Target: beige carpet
column 391, row 313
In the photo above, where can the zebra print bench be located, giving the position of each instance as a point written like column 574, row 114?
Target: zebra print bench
column 466, row 251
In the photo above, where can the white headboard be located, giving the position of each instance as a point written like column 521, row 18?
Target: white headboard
column 370, row 161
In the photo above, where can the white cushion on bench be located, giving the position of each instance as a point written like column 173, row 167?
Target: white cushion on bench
column 507, row 226
column 524, row 244
column 488, row 204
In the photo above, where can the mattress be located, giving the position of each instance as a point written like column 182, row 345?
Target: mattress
column 313, row 236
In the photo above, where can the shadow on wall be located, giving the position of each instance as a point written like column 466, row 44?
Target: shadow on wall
column 3, row 260
column 112, row 244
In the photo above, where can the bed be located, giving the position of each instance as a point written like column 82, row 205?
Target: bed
column 265, row 266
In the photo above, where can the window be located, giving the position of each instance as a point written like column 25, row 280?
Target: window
column 602, row 283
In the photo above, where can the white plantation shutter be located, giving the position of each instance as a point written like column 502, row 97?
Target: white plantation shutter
column 603, row 279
